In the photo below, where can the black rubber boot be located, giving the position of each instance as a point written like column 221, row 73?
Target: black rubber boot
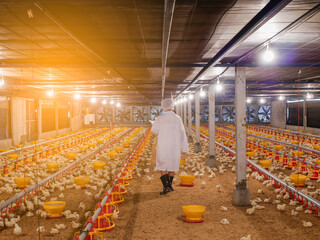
column 170, row 183
column 165, row 182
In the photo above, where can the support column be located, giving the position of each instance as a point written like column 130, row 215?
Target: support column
column 197, row 145
column 185, row 114
column 149, row 113
column 56, row 112
column 113, row 114
column 211, row 162
column 190, row 139
column 304, row 115
column 241, row 195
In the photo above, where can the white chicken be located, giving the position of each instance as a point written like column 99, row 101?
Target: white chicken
column 307, row 224
column 224, row 221
column 75, row 224
column 60, row 226
column 250, row 211
column 54, row 231
column 17, row 230
column 41, row 229
column 222, row 208
column 246, row 238
column 115, row 214
column 281, row 207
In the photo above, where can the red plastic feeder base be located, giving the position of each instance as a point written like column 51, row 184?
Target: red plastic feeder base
column 193, row 221
column 186, row 185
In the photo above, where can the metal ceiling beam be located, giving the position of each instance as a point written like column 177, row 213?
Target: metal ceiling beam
column 264, row 15
column 167, row 23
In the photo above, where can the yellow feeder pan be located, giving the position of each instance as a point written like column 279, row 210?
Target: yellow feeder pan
column 52, row 166
column 100, row 141
column 193, row 213
column 34, row 142
column 71, row 156
column 125, row 144
column 295, row 142
column 297, row 153
column 91, row 144
column 251, row 139
column 310, row 133
column 265, row 163
column 182, row 162
column 318, row 162
column 250, row 132
column 258, row 134
column 19, row 146
column 54, row 208
column 278, row 147
column 22, row 182
column 288, row 130
column 82, row 180
column 300, row 131
column 13, row 156
column 269, row 136
column 118, row 149
column 51, row 145
column 298, row 179
column 83, row 148
column 38, row 149
column 251, row 154
column 187, row 180
column 98, row 165
column 112, row 154
column 265, row 144
column 316, row 147
column 4, row 150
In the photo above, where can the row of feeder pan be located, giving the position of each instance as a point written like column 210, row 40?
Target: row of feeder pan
column 283, row 132
column 102, row 219
column 289, row 162
column 304, row 199
column 36, row 144
column 52, row 150
column 13, row 203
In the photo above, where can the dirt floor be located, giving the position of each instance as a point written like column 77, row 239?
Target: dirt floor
column 147, row 215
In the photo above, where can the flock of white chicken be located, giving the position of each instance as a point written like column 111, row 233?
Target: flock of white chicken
column 99, row 183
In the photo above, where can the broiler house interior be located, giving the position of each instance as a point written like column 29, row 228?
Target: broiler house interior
column 104, row 103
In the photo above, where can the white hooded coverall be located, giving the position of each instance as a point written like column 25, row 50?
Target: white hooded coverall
column 172, row 139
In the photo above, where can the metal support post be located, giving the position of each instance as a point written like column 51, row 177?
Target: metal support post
column 197, row 145
column 241, row 195
column 211, row 162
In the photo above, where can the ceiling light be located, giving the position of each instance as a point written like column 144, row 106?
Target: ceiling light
column 262, row 100
column 2, row 81
column 76, row 96
column 104, row 102
column 184, row 99
column 190, row 96
column 281, row 98
column 309, row 95
column 202, row 93
column 268, row 55
column 219, row 87
column 249, row 100
column 118, row 104
column 93, row 100
column 50, row 93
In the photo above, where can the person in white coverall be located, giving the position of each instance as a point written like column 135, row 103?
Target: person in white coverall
column 172, row 140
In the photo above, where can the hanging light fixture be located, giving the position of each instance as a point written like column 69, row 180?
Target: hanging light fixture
column 93, row 100
column 268, row 55
column 219, row 86
column 118, row 104
column 309, row 95
column 281, row 98
column 111, row 102
column 249, row 100
column 104, row 102
column 50, row 93
column 262, row 100
column 202, row 93
column 76, row 96
column 2, row 81
column 190, row 96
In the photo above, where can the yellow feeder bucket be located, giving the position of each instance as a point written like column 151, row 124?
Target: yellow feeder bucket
column 193, row 213
column 125, row 144
column 118, row 149
column 269, row 136
column 13, row 156
column 112, row 154
column 22, row 182
column 278, row 147
column 187, row 180
column 251, row 154
column 98, row 165
column 265, row 163
column 91, row 144
column 52, row 166
column 251, row 139
column 71, row 156
column 84, row 148
column 295, row 142
column 265, row 144
column 298, row 179
column 100, row 141
column 54, row 208
column 82, row 180
column 297, row 153
column 316, row 147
